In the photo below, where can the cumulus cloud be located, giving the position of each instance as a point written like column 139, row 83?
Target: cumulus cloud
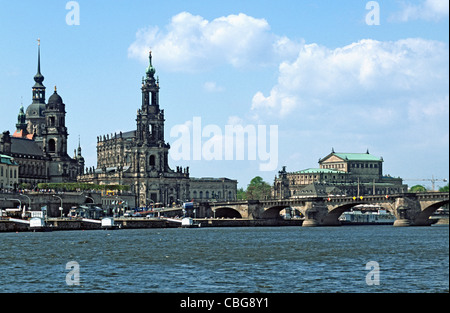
column 365, row 74
column 428, row 10
column 192, row 43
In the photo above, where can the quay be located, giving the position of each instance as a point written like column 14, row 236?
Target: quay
column 66, row 224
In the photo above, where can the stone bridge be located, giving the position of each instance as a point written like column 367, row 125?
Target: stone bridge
column 410, row 209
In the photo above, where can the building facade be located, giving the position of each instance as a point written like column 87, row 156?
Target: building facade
column 139, row 158
column 9, row 173
column 350, row 174
column 39, row 144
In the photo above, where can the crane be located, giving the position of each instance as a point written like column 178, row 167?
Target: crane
column 432, row 180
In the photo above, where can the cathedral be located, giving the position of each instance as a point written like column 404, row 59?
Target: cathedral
column 39, row 144
column 139, row 159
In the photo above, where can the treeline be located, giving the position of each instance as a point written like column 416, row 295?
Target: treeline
column 82, row 187
column 420, row 188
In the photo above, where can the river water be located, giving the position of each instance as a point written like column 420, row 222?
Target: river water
column 228, row 260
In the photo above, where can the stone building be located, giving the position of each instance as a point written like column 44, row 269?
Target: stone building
column 139, row 158
column 9, row 173
column 39, row 144
column 351, row 174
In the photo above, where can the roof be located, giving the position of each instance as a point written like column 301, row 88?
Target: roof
column 318, row 170
column 25, row 147
column 354, row 157
column 6, row 159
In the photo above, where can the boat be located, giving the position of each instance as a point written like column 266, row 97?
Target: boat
column 356, row 217
column 38, row 224
column 189, row 222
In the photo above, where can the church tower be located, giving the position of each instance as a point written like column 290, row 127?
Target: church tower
column 55, row 131
column 35, row 111
column 150, row 123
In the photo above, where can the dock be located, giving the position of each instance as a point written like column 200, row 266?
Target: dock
column 65, row 224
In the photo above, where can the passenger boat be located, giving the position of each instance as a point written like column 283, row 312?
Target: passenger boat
column 380, row 217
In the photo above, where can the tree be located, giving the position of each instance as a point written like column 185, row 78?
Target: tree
column 417, row 188
column 444, row 189
column 258, row 189
column 241, row 194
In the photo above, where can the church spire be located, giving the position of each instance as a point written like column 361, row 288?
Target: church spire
column 39, row 88
column 39, row 78
column 150, row 69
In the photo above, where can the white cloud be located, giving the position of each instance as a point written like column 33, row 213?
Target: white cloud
column 192, row 43
column 363, row 75
column 430, row 10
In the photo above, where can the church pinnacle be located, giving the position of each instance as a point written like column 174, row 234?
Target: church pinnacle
column 39, row 78
column 150, row 69
column 39, row 88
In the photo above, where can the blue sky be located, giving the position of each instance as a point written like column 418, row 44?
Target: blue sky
column 315, row 69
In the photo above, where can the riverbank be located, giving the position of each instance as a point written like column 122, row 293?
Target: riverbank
column 64, row 224
column 58, row 224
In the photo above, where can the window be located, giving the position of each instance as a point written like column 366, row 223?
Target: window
column 51, row 146
column 152, row 160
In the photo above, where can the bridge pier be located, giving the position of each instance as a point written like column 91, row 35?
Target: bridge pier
column 315, row 213
column 406, row 210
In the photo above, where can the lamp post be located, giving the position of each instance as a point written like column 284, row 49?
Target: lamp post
column 61, row 207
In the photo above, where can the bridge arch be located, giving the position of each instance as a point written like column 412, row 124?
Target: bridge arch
column 273, row 212
column 332, row 218
column 227, row 212
column 424, row 215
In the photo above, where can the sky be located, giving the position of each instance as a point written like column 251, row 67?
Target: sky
column 300, row 77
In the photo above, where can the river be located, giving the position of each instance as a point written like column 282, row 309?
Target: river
column 347, row 259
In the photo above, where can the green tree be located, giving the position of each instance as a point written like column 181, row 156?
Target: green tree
column 444, row 189
column 241, row 194
column 417, row 188
column 258, row 189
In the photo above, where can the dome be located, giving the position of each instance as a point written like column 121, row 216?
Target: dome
column 55, row 98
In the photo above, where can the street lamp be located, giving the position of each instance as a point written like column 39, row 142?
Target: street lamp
column 61, row 207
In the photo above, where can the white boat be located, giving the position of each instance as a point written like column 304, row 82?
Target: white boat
column 380, row 217
column 188, row 222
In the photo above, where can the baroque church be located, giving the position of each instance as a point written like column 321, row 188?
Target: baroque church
column 39, row 144
column 139, row 159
